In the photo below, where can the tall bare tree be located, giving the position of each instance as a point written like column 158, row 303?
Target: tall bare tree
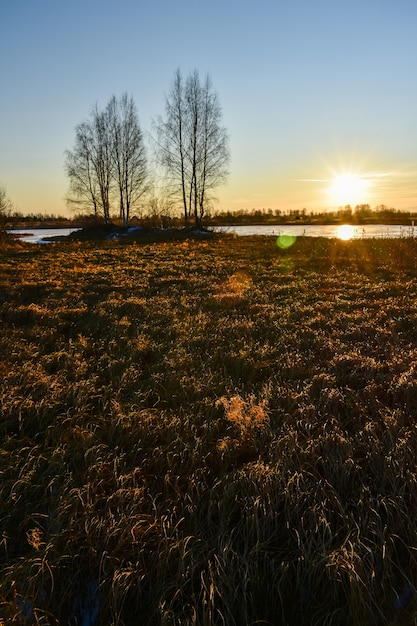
column 80, row 168
column 171, row 142
column 213, row 156
column 108, row 158
column 89, row 165
column 192, row 144
column 128, row 153
column 102, row 158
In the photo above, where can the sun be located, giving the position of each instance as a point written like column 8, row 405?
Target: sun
column 348, row 189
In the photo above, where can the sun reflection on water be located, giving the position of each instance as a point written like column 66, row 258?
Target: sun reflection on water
column 345, row 232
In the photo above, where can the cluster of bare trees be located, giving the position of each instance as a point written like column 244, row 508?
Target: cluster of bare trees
column 192, row 145
column 108, row 161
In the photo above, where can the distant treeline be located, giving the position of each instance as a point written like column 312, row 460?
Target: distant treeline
column 17, row 216
column 360, row 214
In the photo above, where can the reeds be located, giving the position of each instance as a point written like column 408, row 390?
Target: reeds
column 205, row 433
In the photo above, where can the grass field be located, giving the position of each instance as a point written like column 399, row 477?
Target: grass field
column 209, row 433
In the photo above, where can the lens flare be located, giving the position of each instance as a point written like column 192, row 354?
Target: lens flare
column 285, row 241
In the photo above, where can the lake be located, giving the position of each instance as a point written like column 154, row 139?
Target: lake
column 40, row 235
column 326, row 230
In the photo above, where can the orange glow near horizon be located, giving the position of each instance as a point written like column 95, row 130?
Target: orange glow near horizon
column 324, row 185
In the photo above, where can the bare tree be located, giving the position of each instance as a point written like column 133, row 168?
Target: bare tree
column 214, row 156
column 101, row 143
column 128, row 154
column 5, row 203
column 80, row 168
column 89, row 165
column 192, row 144
column 108, row 157
column 5, row 208
column 171, row 137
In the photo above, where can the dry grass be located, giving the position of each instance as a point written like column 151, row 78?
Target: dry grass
column 198, row 433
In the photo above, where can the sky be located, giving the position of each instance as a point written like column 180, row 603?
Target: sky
column 319, row 98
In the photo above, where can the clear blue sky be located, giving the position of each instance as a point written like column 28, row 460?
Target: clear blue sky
column 310, row 91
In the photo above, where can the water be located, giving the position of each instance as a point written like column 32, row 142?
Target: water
column 326, row 230
column 39, row 235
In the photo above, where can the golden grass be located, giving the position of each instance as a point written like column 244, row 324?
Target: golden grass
column 216, row 432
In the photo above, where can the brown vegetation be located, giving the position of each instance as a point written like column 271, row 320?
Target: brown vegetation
column 209, row 432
